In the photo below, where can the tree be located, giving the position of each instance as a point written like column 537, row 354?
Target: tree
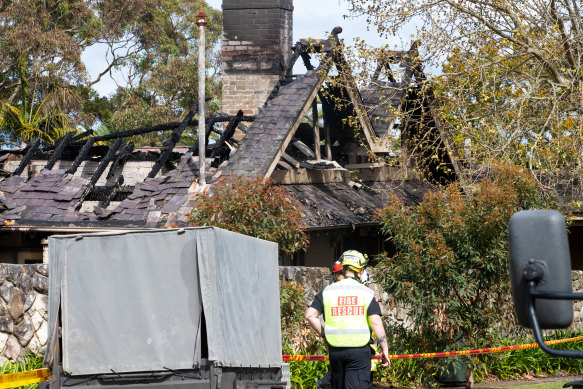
column 39, row 59
column 510, row 86
column 449, row 270
column 153, row 41
column 163, row 65
column 253, row 206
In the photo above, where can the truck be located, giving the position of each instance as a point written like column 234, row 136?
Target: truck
column 540, row 275
column 167, row 308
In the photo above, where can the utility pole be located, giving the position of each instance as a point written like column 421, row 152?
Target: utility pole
column 201, row 23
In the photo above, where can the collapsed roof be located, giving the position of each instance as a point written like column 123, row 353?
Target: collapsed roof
column 316, row 155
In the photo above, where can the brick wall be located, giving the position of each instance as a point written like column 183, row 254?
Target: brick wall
column 256, row 47
column 246, row 92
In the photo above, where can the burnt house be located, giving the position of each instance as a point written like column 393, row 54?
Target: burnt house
column 316, row 133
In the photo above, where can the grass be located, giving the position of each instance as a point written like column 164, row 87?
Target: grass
column 30, row 362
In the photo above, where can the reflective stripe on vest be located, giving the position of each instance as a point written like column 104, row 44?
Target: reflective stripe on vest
column 345, row 311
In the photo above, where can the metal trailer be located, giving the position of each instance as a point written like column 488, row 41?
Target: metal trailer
column 189, row 308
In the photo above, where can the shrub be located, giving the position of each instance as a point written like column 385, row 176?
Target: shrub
column 253, row 206
column 450, row 267
column 298, row 338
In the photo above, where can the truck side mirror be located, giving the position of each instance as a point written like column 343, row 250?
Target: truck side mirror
column 540, row 273
column 539, row 248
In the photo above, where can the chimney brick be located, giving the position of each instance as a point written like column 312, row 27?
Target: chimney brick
column 256, row 48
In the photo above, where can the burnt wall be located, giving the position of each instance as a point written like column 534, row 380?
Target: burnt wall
column 256, row 36
column 256, row 48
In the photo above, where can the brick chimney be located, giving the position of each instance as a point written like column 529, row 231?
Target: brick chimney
column 257, row 41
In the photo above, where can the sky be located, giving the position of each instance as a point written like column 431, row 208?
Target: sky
column 316, row 18
column 311, row 19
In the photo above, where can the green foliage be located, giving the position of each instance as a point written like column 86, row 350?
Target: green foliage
column 292, row 305
column 164, row 79
column 253, row 206
column 515, row 364
column 298, row 338
column 305, row 374
column 402, row 373
column 17, row 124
column 152, row 42
column 450, row 269
column 31, row 362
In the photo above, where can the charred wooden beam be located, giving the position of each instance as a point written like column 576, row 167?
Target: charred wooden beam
column 138, row 131
column 228, row 133
column 82, row 135
column 316, row 129
column 297, row 51
column 291, row 160
column 119, row 161
column 284, row 165
column 326, row 114
column 98, row 172
column 301, row 146
column 330, row 47
column 390, row 75
column 313, row 45
column 380, row 65
column 174, row 139
column 63, row 143
column 306, row 58
column 226, row 118
column 158, row 128
column 222, row 150
column 74, row 141
column 411, row 62
column 222, row 118
column 417, row 66
column 377, row 72
column 81, row 156
column 207, row 132
column 242, row 127
column 27, row 158
column 115, row 183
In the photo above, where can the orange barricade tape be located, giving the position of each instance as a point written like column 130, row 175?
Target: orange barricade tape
column 24, row 378
column 295, row 358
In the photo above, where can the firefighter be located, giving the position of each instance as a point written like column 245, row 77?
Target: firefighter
column 351, row 313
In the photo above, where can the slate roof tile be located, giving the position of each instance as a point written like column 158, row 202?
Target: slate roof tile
column 142, row 205
column 62, row 205
column 135, row 211
column 273, row 124
column 148, row 187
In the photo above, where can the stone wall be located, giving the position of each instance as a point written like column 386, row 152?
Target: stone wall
column 24, row 301
column 314, row 279
column 23, row 310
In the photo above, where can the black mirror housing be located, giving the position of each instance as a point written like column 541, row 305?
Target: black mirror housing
column 539, row 251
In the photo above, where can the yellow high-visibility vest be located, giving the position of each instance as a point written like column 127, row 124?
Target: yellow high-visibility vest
column 345, row 311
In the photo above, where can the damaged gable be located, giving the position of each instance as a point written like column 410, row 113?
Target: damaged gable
column 313, row 135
